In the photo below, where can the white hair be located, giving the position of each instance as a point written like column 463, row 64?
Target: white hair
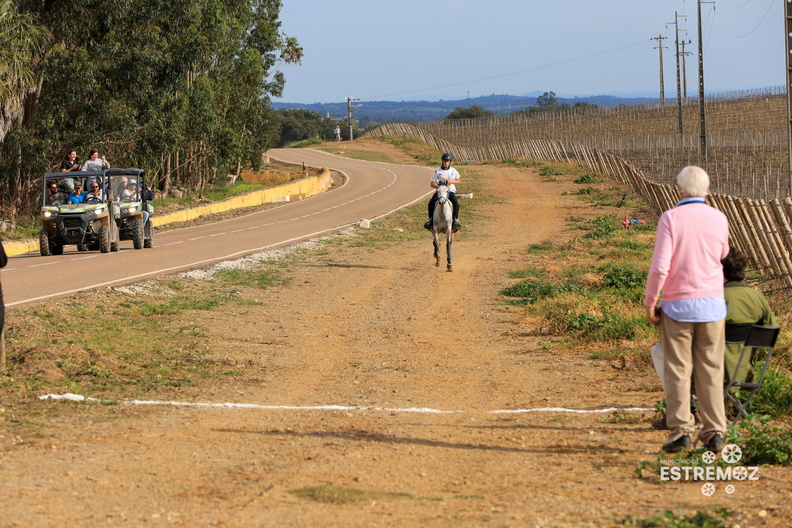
column 693, row 181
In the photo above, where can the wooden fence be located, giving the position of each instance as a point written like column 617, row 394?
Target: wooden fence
column 747, row 145
column 761, row 230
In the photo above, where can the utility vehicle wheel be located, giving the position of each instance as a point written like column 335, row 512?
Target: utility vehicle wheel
column 57, row 249
column 115, row 242
column 44, row 245
column 82, row 247
column 148, row 241
column 137, row 234
column 104, row 240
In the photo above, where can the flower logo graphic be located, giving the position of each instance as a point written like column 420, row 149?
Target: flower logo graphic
column 740, row 473
column 708, row 457
column 731, row 453
column 708, row 489
column 729, row 489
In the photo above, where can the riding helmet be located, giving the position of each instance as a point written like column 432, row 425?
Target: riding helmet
column 446, row 157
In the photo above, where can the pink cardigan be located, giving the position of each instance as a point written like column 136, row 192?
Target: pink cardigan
column 692, row 239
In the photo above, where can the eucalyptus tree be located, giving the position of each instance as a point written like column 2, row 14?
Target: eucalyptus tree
column 180, row 88
column 22, row 41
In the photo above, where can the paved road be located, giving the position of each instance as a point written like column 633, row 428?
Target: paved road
column 372, row 190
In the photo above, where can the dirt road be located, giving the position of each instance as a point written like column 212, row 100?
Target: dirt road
column 371, row 385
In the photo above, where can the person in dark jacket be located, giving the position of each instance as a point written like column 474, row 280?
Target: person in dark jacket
column 3, row 262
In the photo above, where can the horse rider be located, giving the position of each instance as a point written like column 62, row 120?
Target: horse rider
column 451, row 176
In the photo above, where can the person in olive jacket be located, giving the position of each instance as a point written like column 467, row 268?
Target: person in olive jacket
column 745, row 305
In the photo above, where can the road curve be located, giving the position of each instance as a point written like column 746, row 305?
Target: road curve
column 373, row 189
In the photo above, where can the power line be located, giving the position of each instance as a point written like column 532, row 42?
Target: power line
column 560, row 63
column 760, row 22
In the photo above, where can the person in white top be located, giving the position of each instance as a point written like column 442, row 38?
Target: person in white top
column 94, row 163
column 450, row 175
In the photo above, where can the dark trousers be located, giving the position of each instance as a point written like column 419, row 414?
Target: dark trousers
column 451, row 197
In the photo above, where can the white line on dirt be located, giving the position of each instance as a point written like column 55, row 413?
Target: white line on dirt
column 420, row 410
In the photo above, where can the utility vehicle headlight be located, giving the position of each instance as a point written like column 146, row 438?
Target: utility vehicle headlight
column 98, row 211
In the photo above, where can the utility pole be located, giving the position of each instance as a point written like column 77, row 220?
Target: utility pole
column 677, row 16
column 702, row 118
column 659, row 39
column 684, row 69
column 350, row 109
column 788, row 13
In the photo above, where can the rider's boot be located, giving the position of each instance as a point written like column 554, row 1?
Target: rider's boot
column 456, row 226
column 428, row 225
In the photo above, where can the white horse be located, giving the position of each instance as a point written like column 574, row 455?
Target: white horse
column 442, row 222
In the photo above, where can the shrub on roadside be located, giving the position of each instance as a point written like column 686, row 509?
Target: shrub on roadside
column 589, row 177
column 762, row 443
column 775, row 396
column 529, row 291
column 602, row 227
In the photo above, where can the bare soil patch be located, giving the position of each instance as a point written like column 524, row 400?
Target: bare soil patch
column 415, row 360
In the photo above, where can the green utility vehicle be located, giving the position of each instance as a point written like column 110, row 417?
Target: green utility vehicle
column 87, row 224
column 130, row 199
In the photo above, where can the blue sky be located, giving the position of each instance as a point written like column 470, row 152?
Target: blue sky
column 402, row 50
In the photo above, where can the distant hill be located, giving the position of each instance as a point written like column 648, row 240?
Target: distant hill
column 420, row 111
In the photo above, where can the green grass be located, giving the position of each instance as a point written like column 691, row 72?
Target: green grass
column 419, row 150
column 519, row 163
column 130, row 349
column 529, row 291
column 603, row 226
column 216, row 194
column 565, row 295
column 533, row 273
column 669, row 519
column 261, row 276
column 305, row 143
column 774, row 398
column 332, row 494
column 762, row 443
column 589, row 177
column 539, row 248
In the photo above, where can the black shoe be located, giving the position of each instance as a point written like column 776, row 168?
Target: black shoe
column 683, row 442
column 660, row 424
column 716, row 443
column 428, row 225
column 456, row 226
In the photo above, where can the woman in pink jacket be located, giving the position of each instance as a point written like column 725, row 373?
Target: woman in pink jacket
column 692, row 239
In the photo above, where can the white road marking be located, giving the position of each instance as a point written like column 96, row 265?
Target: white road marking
column 418, row 410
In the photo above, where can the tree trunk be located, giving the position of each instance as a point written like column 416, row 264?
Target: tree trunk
column 166, row 178
column 177, row 167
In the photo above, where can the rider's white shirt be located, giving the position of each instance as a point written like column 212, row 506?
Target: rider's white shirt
column 446, row 174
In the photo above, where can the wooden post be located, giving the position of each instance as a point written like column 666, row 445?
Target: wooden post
column 737, row 226
column 746, row 208
column 776, row 241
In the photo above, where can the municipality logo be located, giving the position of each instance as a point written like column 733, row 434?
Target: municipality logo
column 690, row 470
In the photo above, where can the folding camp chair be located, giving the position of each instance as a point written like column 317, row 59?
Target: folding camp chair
column 753, row 338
